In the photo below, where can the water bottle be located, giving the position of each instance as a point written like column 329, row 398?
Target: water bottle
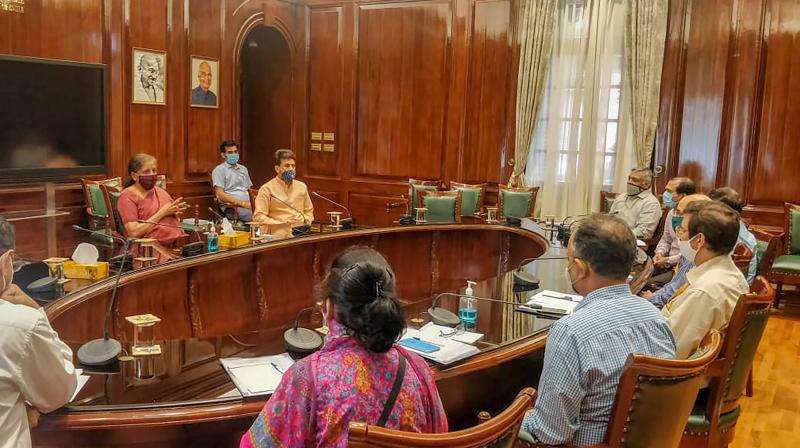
column 213, row 241
column 468, row 307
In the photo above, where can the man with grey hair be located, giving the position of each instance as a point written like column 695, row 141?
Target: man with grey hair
column 586, row 350
column 638, row 207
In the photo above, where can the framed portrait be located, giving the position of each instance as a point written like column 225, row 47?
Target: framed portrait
column 204, row 82
column 149, row 76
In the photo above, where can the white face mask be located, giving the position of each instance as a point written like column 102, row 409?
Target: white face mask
column 686, row 249
column 568, row 278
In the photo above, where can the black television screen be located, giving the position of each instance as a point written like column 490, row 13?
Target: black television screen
column 53, row 121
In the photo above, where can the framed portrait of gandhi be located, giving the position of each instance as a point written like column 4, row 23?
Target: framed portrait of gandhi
column 204, row 82
column 149, row 76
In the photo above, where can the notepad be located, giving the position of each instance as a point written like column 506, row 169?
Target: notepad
column 432, row 330
column 551, row 302
column 82, row 380
column 257, row 376
column 450, row 350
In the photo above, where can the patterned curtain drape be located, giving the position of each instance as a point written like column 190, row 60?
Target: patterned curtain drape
column 645, row 34
column 537, row 27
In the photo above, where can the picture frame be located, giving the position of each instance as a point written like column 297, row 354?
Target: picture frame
column 204, row 82
column 148, row 76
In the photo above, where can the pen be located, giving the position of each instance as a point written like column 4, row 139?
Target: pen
column 565, row 297
column 277, row 368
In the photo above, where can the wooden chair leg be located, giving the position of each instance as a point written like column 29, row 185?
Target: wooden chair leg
column 748, row 390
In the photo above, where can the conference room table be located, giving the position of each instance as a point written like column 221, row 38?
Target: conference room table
column 239, row 302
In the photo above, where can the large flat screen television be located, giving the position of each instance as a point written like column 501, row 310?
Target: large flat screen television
column 53, row 120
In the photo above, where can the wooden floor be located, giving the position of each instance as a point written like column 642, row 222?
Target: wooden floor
column 771, row 418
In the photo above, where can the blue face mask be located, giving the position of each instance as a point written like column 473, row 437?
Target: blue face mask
column 676, row 222
column 288, row 175
column 232, row 159
column 668, row 201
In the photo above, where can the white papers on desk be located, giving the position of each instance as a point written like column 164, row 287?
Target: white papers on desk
column 449, row 351
column 430, row 330
column 82, row 380
column 551, row 302
column 257, row 376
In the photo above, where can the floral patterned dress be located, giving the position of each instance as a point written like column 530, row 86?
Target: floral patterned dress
column 320, row 395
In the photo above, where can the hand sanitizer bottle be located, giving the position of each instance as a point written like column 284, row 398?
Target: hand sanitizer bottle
column 213, row 241
column 468, row 307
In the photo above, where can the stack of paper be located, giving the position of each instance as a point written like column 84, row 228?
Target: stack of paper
column 82, row 380
column 431, row 330
column 551, row 302
column 450, row 350
column 257, row 376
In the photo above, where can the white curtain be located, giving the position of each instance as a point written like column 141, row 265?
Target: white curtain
column 583, row 141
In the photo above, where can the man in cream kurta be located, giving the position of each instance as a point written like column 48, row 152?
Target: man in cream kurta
column 283, row 202
column 708, row 233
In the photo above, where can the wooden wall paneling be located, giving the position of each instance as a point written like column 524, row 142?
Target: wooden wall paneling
column 325, row 35
column 70, row 30
column 203, row 39
column 737, row 140
column 462, row 11
column 704, row 89
column 402, row 81
column 487, row 149
column 147, row 124
column 322, row 207
column 371, row 208
column 774, row 172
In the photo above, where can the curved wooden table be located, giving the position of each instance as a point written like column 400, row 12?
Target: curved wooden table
column 239, row 302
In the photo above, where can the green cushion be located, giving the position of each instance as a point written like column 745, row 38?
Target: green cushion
column 114, row 196
column 608, row 202
column 699, row 424
column 98, row 205
column 789, row 264
column 794, row 232
column 469, row 200
column 440, row 209
column 515, row 203
column 415, row 188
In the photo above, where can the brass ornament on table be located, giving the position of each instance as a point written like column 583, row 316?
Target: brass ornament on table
column 420, row 215
column 491, row 215
column 336, row 221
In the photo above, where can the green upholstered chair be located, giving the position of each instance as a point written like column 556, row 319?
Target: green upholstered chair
column 472, row 196
column 113, row 220
column 516, row 202
column 716, row 409
column 444, row 207
column 784, row 260
column 655, row 397
column 497, row 432
column 416, row 185
column 95, row 204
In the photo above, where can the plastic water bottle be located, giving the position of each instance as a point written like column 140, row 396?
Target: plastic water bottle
column 213, row 241
column 468, row 307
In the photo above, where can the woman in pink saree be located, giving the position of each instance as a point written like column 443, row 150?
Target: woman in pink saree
column 357, row 374
column 143, row 200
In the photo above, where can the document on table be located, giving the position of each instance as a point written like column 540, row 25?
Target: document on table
column 82, row 380
column 449, row 351
column 257, row 376
column 432, row 330
column 551, row 302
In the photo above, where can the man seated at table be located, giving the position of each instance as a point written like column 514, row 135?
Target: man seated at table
column 660, row 297
column 731, row 198
column 667, row 253
column 231, row 181
column 587, row 350
column 639, row 208
column 35, row 365
column 707, row 235
column 283, row 202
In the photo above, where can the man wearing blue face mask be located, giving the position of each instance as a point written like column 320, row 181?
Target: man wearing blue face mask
column 667, row 253
column 283, row 202
column 231, row 181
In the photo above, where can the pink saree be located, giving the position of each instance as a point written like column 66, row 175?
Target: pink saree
column 320, row 395
column 132, row 208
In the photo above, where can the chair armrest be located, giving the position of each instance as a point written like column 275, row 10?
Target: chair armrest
column 774, row 249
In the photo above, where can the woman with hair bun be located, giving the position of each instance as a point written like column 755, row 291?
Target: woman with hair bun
column 352, row 377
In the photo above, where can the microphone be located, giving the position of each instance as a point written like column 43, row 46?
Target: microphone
column 189, row 249
column 447, row 318
column 299, row 230
column 215, row 213
column 406, row 218
column 525, row 281
column 346, row 223
column 109, row 238
column 302, row 341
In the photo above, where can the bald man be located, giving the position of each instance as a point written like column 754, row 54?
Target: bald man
column 202, row 94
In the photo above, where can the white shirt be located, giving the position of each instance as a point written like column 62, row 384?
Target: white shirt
column 707, row 302
column 668, row 244
column 35, row 366
column 641, row 212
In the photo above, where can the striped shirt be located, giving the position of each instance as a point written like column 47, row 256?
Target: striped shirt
column 583, row 361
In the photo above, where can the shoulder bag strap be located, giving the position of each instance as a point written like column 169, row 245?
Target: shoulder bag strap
column 398, row 383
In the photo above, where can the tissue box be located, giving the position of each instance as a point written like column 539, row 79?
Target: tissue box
column 233, row 241
column 86, row 271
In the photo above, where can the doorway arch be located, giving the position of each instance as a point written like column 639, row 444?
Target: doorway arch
column 265, row 97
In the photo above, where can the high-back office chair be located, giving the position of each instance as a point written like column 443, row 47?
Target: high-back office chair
column 516, row 202
column 716, row 410
column 783, row 257
column 654, row 398
column 498, row 432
